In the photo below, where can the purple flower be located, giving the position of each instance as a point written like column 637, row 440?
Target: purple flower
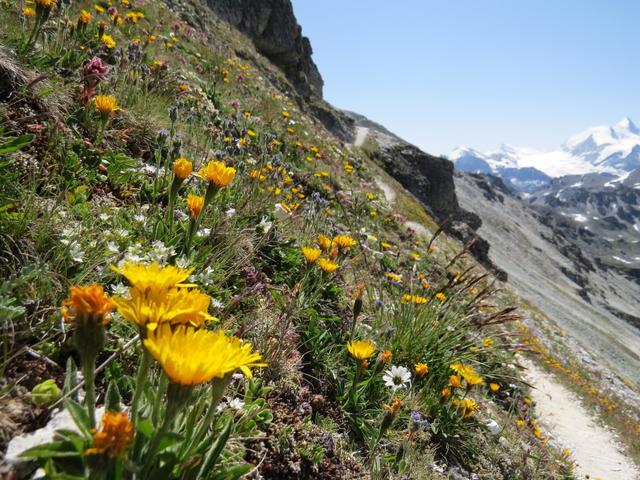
column 95, row 69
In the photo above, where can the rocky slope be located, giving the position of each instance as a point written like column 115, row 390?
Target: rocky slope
column 548, row 263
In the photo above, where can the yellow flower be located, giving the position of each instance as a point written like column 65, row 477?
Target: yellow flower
column 284, row 113
column 415, row 299
column 176, row 306
column 421, row 369
column 46, row 3
column 182, row 168
column 153, row 280
column 108, row 41
column 106, row 104
column 135, row 17
column 494, row 387
column 487, row 342
column 385, row 357
column 467, row 372
column 217, row 173
column 344, row 241
column 361, row 349
column 114, row 437
column 394, row 277
column 455, row 381
column 195, row 203
column 327, row 265
column 466, row 406
column 84, row 17
column 311, row 254
column 324, row 242
column 28, row 12
column 441, row 296
column 520, row 423
column 446, row 392
column 87, row 304
column 98, row 8
column 251, row 133
column 190, row 357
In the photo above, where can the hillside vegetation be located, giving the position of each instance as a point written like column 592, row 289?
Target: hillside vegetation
column 199, row 281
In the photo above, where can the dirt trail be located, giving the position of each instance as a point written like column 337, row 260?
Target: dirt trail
column 594, row 449
column 361, row 135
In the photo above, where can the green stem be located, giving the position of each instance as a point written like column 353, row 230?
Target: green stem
column 143, row 369
column 88, row 372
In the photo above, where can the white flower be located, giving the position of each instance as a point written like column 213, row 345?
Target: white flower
column 396, row 377
column 139, row 218
column 203, row 232
column 215, row 303
column 75, row 251
column 236, row 404
column 121, row 290
column 104, row 217
column 182, row 262
column 122, row 233
column 230, row 213
column 112, row 247
column 265, row 224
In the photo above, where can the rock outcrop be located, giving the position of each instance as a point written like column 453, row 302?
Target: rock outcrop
column 275, row 32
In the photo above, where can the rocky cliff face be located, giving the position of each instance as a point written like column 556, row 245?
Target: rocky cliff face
column 274, row 30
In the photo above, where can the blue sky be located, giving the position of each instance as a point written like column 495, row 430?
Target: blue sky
column 479, row 73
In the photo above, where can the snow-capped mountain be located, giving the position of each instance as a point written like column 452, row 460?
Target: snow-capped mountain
column 613, row 150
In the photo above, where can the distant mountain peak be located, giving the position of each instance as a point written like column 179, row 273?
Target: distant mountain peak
column 601, row 149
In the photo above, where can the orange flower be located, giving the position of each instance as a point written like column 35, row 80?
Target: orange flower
column 455, row 381
column 394, row 406
column 195, row 203
column 86, row 303
column 446, row 392
column 385, row 357
column 114, row 437
column 494, row 387
column 421, row 369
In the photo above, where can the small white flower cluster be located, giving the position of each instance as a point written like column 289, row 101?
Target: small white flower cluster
column 137, row 253
column 69, row 235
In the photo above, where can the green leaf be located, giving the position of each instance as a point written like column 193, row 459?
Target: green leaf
column 112, row 398
column 51, row 450
column 15, row 144
column 79, row 415
column 70, row 377
column 216, row 449
column 146, row 427
column 233, row 472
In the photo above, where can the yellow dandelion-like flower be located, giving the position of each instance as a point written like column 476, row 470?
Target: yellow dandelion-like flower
column 284, row 113
column 176, row 306
column 87, row 303
column 28, row 12
column 327, row 265
column 467, row 372
column 441, row 297
column 421, row 369
column 192, row 356
column 154, row 280
column 487, row 342
column 114, row 437
column 415, row 299
column 361, row 349
column 394, row 277
column 251, row 133
column 182, row 168
column 195, row 203
column 344, row 241
column 311, row 254
column 106, row 104
column 446, row 393
column 84, row 18
column 108, row 41
column 323, row 241
column 466, row 406
column 494, row 387
column 46, row 3
column 217, row 173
